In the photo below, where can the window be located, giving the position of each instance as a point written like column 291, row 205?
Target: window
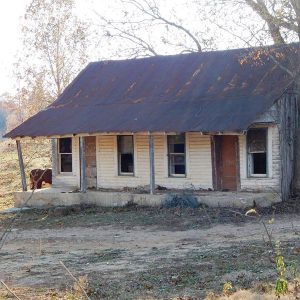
column 125, row 155
column 176, row 154
column 257, row 152
column 65, row 155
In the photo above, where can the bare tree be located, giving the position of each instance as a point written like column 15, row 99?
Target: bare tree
column 282, row 18
column 144, row 27
column 147, row 28
column 55, row 49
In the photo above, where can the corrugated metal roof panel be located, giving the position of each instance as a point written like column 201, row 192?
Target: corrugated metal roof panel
column 208, row 92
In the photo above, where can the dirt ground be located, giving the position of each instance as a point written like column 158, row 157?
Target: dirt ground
column 143, row 254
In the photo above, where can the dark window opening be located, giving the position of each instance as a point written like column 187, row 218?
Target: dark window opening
column 259, row 161
column 126, row 154
column 176, row 154
column 65, row 155
column 257, row 151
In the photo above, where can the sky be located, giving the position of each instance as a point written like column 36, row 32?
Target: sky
column 10, row 33
column 11, row 13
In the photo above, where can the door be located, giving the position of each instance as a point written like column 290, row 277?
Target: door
column 226, row 162
column 90, row 160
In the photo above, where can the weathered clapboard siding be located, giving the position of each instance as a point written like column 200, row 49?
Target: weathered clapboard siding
column 272, row 181
column 198, row 164
column 70, row 180
column 107, row 163
column 199, row 171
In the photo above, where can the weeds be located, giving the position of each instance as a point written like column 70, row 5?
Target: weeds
column 181, row 201
column 281, row 283
column 227, row 288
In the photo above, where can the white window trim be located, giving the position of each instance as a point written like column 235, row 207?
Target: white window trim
column 59, row 159
column 118, row 171
column 169, row 175
column 269, row 143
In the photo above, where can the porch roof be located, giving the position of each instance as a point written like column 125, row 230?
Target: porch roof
column 207, row 92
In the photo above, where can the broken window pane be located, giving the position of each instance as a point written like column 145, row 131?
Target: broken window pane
column 66, row 162
column 126, row 154
column 257, row 151
column 259, row 165
column 257, row 141
column 176, row 153
column 65, row 154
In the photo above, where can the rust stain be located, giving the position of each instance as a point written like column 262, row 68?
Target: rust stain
column 139, row 100
column 78, row 93
column 196, row 92
column 131, row 87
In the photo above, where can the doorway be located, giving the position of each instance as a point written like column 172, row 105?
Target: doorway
column 225, row 160
column 90, row 159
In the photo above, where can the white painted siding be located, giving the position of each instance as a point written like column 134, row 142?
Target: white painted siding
column 198, row 164
column 272, row 182
column 70, row 180
column 199, row 170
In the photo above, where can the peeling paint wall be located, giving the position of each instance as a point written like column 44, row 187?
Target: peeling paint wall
column 198, row 163
column 272, row 181
column 70, row 180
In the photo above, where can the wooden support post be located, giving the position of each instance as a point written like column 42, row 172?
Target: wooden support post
column 82, row 165
column 151, row 160
column 54, row 157
column 21, row 165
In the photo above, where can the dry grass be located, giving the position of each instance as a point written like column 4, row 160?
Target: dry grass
column 90, row 244
column 137, row 254
column 36, row 154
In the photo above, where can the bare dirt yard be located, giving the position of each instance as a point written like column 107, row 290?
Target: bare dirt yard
column 145, row 253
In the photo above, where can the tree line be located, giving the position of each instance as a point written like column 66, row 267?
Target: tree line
column 57, row 44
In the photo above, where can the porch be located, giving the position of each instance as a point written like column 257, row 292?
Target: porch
column 50, row 197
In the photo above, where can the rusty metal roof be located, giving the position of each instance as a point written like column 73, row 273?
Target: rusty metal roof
column 207, row 92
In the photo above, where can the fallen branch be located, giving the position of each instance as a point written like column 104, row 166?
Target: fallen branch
column 13, row 293
column 75, row 279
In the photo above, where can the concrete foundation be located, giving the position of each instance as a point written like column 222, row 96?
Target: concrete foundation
column 50, row 197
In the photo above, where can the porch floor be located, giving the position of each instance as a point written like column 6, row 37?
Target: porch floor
column 49, row 197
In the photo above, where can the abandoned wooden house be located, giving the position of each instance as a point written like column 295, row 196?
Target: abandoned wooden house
column 220, row 121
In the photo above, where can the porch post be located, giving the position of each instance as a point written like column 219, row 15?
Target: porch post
column 82, row 165
column 151, row 160
column 21, row 165
column 54, row 157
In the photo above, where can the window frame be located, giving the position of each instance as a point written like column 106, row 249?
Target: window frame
column 169, row 154
column 120, row 173
column 60, row 153
column 249, row 159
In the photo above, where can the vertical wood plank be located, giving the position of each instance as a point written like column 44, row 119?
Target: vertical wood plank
column 21, row 165
column 82, row 164
column 151, row 160
column 288, row 127
column 213, row 162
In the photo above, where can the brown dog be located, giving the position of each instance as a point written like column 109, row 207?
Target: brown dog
column 38, row 176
